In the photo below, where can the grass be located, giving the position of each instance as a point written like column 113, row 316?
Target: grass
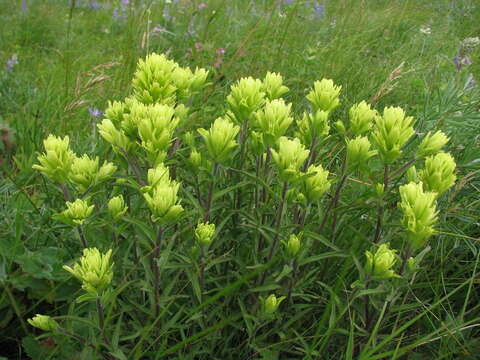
column 393, row 53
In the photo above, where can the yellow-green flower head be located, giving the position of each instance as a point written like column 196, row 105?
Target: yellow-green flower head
column 199, row 80
column 43, row 322
column 361, row 118
column 220, row 139
column 57, row 159
column 156, row 124
column 293, row 245
column 439, row 173
column 271, row 303
column 76, row 213
column 113, row 136
column 273, row 86
column 163, row 202
column 95, row 271
column 325, row 95
column 115, row 112
column 290, row 157
column 419, row 213
column 153, row 80
column 274, row 120
column 380, row 265
column 358, row 152
column 204, row 233
column 158, row 175
column 195, row 158
column 181, row 113
column 85, row 172
column 117, row 207
column 316, row 183
column 246, row 97
column 432, row 144
column 312, row 126
column 391, row 132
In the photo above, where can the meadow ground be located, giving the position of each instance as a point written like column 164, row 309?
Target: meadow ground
column 63, row 61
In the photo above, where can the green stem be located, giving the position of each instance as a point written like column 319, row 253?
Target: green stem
column 209, row 202
column 156, row 270
column 381, row 209
column 82, row 236
column 16, row 308
column 101, row 320
column 278, row 223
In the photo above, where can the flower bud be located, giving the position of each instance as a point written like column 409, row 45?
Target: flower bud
column 290, row 157
column 419, row 213
column 195, row 158
column 245, row 98
column 257, row 143
column 76, row 213
column 95, row 271
column 57, row 159
column 115, row 112
column 358, row 152
column 273, row 86
column 220, row 139
column 439, row 173
column 391, row 132
column 161, row 195
column 316, row 183
column 293, row 245
column 274, row 120
column 117, row 207
column 189, row 138
column 199, row 80
column 361, row 118
column 43, row 322
column 379, row 265
column 340, row 126
column 324, row 95
column 112, row 135
column 204, row 233
column 85, row 172
column 432, row 144
column 181, row 113
column 412, row 175
column 312, row 126
column 271, row 303
column 380, row 190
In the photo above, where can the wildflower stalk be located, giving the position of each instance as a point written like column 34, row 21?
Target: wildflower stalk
column 208, row 204
column 312, row 154
column 81, row 234
column 101, row 320
column 66, row 193
column 381, row 209
column 292, row 280
column 134, row 166
column 402, row 168
column 333, row 203
column 243, row 148
column 16, row 308
column 156, row 270
column 278, row 222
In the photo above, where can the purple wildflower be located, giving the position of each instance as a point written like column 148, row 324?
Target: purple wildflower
column 10, row 63
column 191, row 28
column 201, row 6
column 198, row 46
column 220, row 51
column 95, row 5
column 288, row 2
column 24, row 6
column 319, row 9
column 94, row 112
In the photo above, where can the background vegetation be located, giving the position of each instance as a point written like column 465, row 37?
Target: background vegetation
column 63, row 61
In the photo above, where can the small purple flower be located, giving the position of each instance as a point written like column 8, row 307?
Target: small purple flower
column 191, row 28
column 201, row 6
column 288, row 2
column 157, row 29
column 11, row 63
column 95, row 5
column 94, row 112
column 166, row 14
column 220, row 51
column 198, row 46
column 24, row 6
column 319, row 9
